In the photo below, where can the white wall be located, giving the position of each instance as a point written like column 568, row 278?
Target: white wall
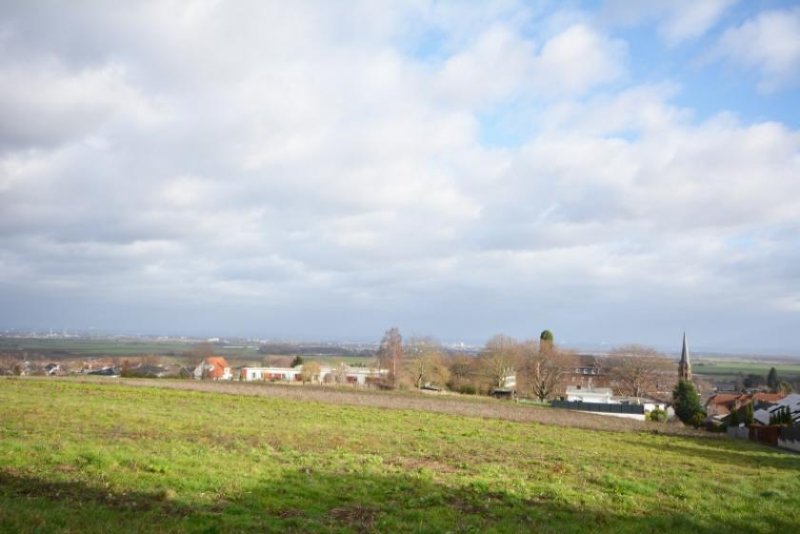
column 791, row 445
column 637, row 416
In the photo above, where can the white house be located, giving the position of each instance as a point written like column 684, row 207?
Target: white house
column 792, row 401
column 581, row 394
column 362, row 375
column 288, row 374
column 359, row 376
column 619, row 406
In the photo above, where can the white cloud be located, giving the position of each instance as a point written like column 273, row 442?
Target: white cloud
column 579, row 59
column 502, row 64
column 286, row 164
column 769, row 43
column 678, row 20
column 691, row 19
column 43, row 103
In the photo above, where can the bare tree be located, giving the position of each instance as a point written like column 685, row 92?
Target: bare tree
column 310, row 372
column 198, row 353
column 390, row 355
column 425, row 364
column 499, row 359
column 340, row 372
column 461, row 369
column 546, row 369
column 277, row 361
column 637, row 371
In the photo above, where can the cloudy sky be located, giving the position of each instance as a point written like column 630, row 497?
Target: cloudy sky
column 615, row 171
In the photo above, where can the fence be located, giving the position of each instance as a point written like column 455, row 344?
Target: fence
column 739, row 432
column 789, row 438
column 765, row 434
column 636, row 409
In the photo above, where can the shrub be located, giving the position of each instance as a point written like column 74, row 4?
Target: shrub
column 687, row 403
column 697, row 419
column 733, row 418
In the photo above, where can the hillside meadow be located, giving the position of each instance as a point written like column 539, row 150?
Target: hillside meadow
column 108, row 457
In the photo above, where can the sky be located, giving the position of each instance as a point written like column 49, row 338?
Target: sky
column 614, row 171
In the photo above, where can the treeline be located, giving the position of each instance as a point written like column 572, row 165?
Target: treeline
column 771, row 381
column 290, row 349
column 533, row 368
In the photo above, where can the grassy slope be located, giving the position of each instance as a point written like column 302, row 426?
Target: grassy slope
column 87, row 457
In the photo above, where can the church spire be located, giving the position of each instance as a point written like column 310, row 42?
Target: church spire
column 685, row 366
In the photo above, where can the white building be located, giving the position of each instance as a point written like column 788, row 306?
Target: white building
column 792, row 401
column 214, row 368
column 362, row 375
column 580, row 394
column 359, row 376
column 606, row 396
column 287, row 374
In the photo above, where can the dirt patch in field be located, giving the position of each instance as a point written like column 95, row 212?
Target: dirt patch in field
column 360, row 518
column 450, row 404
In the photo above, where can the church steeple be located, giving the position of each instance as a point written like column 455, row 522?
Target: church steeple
column 685, row 366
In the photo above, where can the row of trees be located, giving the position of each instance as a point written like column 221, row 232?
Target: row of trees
column 771, row 381
column 541, row 368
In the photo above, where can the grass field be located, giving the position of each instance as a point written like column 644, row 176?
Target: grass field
column 91, row 457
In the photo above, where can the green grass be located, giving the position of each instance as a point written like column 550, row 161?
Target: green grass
column 84, row 457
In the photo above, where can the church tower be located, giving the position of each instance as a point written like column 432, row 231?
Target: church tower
column 685, row 367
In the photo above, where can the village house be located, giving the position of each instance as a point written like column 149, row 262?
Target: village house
column 286, row 374
column 359, row 376
column 588, row 372
column 792, row 401
column 719, row 407
column 213, row 368
column 363, row 376
column 589, row 394
column 602, row 401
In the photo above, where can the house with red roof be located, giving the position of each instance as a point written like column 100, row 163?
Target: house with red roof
column 722, row 404
column 213, row 368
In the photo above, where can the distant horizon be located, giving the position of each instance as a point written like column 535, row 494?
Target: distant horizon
column 696, row 351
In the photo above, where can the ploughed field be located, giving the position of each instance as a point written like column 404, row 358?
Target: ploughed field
column 108, row 457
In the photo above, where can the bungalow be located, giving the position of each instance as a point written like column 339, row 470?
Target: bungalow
column 358, row 376
column 213, row 368
column 602, row 401
column 286, row 374
column 589, row 394
column 362, row 376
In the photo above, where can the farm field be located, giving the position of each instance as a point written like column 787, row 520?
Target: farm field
column 87, row 348
column 731, row 368
column 101, row 457
column 94, row 347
